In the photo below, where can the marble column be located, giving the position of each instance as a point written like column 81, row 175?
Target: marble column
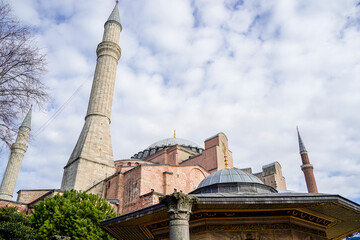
column 179, row 210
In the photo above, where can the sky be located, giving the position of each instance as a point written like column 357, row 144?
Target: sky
column 253, row 69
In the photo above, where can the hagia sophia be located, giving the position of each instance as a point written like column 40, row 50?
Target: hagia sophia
column 177, row 189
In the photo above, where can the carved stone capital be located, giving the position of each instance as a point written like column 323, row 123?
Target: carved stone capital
column 179, row 205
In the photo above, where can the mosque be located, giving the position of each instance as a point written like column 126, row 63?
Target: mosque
column 177, row 189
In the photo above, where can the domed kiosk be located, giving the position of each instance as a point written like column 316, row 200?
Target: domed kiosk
column 229, row 203
column 234, row 204
column 232, row 180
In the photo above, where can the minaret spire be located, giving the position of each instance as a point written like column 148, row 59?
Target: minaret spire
column 302, row 148
column 114, row 16
column 92, row 158
column 18, row 150
column 307, row 167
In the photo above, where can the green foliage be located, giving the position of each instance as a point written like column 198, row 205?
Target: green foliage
column 14, row 225
column 74, row 214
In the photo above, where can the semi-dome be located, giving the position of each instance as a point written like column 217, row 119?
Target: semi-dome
column 228, row 176
column 232, row 180
column 172, row 142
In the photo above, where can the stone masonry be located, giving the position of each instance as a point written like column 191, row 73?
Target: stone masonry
column 18, row 150
column 271, row 175
column 92, row 158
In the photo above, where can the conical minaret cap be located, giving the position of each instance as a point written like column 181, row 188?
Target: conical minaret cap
column 115, row 16
column 27, row 119
column 302, row 148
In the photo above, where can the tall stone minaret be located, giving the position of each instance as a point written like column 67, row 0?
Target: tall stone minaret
column 18, row 150
column 307, row 168
column 92, row 158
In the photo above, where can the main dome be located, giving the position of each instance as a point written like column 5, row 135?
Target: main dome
column 229, row 176
column 172, row 142
column 165, row 144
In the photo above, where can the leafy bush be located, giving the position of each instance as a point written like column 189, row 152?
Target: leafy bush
column 15, row 225
column 74, row 214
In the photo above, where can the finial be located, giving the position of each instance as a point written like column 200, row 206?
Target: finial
column 225, row 157
column 174, row 133
column 117, row 1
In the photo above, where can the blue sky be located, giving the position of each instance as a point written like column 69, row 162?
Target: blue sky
column 251, row 69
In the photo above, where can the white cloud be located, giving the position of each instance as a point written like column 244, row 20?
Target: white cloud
column 252, row 69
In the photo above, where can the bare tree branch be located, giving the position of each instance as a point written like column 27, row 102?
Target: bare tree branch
column 22, row 67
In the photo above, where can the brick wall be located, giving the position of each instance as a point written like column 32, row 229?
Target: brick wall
column 20, row 206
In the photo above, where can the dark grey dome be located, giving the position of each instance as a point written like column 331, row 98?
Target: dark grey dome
column 232, row 181
column 167, row 143
column 228, row 176
column 172, row 142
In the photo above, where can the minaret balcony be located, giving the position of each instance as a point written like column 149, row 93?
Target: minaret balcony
column 307, row 166
column 110, row 49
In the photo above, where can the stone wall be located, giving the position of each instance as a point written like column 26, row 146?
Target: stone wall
column 271, row 175
column 27, row 196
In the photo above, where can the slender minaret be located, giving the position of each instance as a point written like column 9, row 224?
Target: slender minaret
column 18, row 150
column 307, row 168
column 92, row 158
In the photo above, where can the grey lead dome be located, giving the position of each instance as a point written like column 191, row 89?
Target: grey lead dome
column 167, row 143
column 172, row 142
column 232, row 175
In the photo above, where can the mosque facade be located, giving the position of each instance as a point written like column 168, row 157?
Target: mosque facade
column 177, row 189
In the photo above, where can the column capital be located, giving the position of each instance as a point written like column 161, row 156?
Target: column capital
column 179, row 205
